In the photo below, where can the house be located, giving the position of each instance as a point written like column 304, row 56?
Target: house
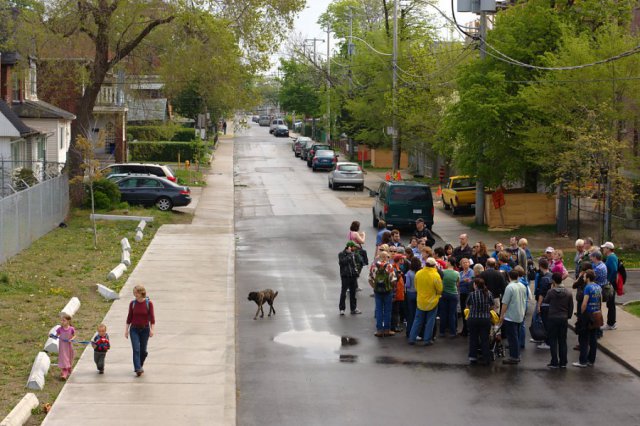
column 146, row 102
column 20, row 92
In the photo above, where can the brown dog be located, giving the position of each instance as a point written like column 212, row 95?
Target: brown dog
column 262, row 297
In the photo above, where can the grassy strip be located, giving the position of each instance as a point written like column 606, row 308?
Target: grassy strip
column 633, row 308
column 631, row 258
column 190, row 177
column 37, row 283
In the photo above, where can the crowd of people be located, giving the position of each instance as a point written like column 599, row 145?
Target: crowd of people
column 418, row 283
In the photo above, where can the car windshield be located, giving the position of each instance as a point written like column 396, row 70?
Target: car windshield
column 348, row 168
column 409, row 193
column 463, row 183
column 325, row 154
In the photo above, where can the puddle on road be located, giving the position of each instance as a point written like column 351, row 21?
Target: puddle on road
column 320, row 345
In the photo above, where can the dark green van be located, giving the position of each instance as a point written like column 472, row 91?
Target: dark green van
column 400, row 203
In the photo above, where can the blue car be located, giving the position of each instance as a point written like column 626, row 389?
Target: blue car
column 324, row 160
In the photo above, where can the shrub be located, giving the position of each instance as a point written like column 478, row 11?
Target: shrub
column 167, row 151
column 184, row 135
column 106, row 194
column 152, row 133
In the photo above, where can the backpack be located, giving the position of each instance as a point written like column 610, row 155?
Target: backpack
column 382, row 279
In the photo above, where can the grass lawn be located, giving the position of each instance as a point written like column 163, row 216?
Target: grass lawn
column 191, row 177
column 631, row 258
column 37, row 283
column 633, row 308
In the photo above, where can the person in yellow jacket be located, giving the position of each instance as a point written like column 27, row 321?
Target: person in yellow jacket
column 429, row 288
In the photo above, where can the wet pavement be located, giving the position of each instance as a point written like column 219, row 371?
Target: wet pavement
column 308, row 365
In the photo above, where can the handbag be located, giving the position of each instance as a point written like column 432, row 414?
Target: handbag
column 596, row 320
column 537, row 330
column 364, row 256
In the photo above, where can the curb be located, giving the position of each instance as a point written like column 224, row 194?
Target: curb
column 613, row 356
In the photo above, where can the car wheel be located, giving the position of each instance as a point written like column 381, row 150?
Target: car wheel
column 361, row 188
column 164, row 204
column 454, row 209
column 445, row 205
column 335, row 186
column 314, row 169
column 308, row 163
column 375, row 220
column 330, row 185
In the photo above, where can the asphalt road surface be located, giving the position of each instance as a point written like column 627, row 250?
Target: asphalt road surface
column 308, row 366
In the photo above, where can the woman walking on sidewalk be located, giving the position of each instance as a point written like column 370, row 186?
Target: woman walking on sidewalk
column 140, row 323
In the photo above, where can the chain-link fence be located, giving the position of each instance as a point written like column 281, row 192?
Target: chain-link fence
column 29, row 214
column 16, row 176
column 587, row 219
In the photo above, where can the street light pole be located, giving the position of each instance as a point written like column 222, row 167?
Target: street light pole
column 328, row 132
column 479, row 182
column 394, row 132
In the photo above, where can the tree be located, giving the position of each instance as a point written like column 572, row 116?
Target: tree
column 114, row 29
column 299, row 89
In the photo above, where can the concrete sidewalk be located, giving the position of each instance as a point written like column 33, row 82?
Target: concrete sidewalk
column 189, row 378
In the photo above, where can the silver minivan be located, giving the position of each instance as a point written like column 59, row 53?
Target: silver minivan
column 275, row 123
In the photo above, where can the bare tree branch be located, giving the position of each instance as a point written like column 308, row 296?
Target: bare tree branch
column 128, row 48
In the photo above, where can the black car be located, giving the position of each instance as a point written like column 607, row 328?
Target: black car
column 150, row 190
column 281, row 130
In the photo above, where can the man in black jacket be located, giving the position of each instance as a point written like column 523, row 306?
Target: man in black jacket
column 349, row 276
column 423, row 232
column 464, row 249
column 495, row 281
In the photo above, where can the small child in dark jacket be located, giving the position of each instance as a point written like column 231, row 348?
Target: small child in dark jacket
column 100, row 345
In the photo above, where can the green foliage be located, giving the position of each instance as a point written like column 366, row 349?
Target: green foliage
column 184, row 135
column 168, row 151
column 300, row 88
column 24, row 178
column 106, row 194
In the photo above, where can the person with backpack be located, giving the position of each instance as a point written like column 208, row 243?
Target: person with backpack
column 542, row 308
column 429, row 289
column 141, row 321
column 349, row 271
column 382, row 279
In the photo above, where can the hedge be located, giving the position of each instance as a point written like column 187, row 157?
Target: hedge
column 160, row 133
column 167, row 151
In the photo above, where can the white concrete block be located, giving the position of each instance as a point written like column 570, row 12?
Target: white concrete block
column 71, row 307
column 52, row 344
column 39, row 371
column 126, row 258
column 117, row 272
column 141, row 225
column 125, row 244
column 22, row 411
column 139, row 236
column 120, row 217
column 107, row 293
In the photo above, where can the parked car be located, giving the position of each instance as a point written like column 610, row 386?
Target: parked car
column 298, row 144
column 141, row 168
column 255, row 118
column 346, row 174
column 400, row 203
column 275, row 123
column 460, row 192
column 324, row 159
column 149, row 190
column 281, row 130
column 305, row 149
column 315, row 147
column 264, row 121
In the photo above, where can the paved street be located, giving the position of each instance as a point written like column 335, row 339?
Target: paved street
column 307, row 365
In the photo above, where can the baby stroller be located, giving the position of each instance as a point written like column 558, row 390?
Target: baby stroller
column 496, row 348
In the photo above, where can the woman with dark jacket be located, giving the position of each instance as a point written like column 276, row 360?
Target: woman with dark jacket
column 560, row 301
column 479, row 302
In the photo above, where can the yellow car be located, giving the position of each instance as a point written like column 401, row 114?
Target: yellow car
column 460, row 192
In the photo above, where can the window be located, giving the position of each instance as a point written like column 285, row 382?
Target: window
column 149, row 183
column 463, row 183
column 42, row 143
column 410, row 193
column 61, row 131
column 127, row 183
column 349, row 168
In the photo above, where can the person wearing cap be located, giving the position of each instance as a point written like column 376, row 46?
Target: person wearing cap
column 428, row 286
column 349, row 277
column 611, row 262
column 423, row 232
column 548, row 253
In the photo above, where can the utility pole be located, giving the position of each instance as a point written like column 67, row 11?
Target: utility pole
column 328, row 132
column 479, row 183
column 314, row 40
column 394, row 133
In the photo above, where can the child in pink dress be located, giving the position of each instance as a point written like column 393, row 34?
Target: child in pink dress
column 66, row 333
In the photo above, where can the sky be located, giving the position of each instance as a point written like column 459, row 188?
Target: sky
column 306, row 23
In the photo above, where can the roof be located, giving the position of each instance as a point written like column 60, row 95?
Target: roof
column 40, row 109
column 9, row 58
column 15, row 120
column 147, row 109
column 407, row 183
